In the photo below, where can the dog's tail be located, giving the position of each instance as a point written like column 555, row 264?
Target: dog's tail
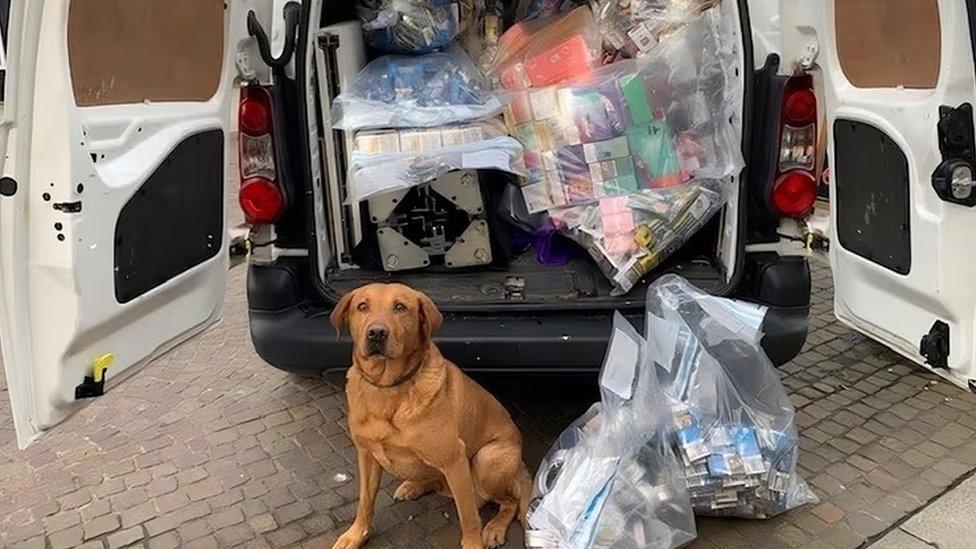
column 524, row 487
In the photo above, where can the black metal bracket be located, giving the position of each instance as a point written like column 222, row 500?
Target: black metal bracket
column 935, row 346
column 291, row 13
column 90, row 388
column 958, row 147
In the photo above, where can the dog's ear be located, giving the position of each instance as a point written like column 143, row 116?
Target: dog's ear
column 430, row 317
column 341, row 312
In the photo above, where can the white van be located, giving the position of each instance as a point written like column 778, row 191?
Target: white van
column 117, row 127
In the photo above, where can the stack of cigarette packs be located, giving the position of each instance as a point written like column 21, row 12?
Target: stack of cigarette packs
column 732, row 469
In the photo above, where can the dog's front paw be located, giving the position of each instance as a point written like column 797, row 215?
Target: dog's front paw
column 354, row 538
column 472, row 543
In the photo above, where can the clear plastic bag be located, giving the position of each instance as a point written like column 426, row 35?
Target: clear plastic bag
column 628, row 236
column 397, row 91
column 530, row 9
column 611, row 480
column 481, row 35
column 389, row 160
column 732, row 426
column 633, row 27
column 547, row 51
column 408, row 26
column 645, row 123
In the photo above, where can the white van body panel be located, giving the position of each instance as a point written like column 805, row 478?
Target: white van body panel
column 59, row 313
column 899, row 309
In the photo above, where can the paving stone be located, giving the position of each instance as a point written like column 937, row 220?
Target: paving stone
column 69, row 537
column 226, row 517
column 206, row 542
column 264, row 522
column 203, row 489
column 845, row 445
column 164, row 541
column 101, row 525
column 95, row 509
column 61, row 521
column 292, row 512
column 193, row 529
column 828, row 512
column 124, row 538
column 234, row 535
column 161, row 486
column 286, row 536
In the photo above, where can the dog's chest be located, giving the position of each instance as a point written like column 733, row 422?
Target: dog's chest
column 387, row 445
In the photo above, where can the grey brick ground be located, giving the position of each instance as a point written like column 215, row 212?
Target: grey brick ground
column 210, row 447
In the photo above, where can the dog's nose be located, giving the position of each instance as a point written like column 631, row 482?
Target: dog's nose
column 377, row 333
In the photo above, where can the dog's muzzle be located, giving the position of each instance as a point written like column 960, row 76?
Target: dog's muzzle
column 376, row 337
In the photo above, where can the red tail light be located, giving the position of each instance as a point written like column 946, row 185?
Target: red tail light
column 794, row 189
column 255, row 117
column 261, row 196
column 800, row 107
column 794, row 194
column 261, row 200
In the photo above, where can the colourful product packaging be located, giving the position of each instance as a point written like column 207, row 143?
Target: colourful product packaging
column 570, row 59
column 571, row 162
column 593, row 115
column 544, row 103
column 521, row 108
column 606, row 150
column 654, row 155
column 549, row 50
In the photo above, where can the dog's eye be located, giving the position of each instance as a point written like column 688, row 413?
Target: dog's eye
column 362, row 307
column 400, row 307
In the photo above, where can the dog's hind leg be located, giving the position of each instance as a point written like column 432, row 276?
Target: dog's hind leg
column 500, row 476
column 411, row 489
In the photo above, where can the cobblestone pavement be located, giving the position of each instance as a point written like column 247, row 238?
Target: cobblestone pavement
column 208, row 446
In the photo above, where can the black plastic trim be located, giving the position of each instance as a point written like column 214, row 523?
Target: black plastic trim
column 298, row 337
column 872, row 186
column 175, row 220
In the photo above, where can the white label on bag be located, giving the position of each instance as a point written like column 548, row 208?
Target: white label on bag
column 488, row 159
column 643, row 37
column 621, row 367
column 662, row 340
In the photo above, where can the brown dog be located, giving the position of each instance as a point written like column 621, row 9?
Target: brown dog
column 414, row 414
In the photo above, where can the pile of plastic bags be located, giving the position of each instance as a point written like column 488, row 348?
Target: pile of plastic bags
column 620, row 116
column 692, row 421
column 629, row 159
column 423, row 109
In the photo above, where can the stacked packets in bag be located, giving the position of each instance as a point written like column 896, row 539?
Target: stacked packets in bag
column 731, row 468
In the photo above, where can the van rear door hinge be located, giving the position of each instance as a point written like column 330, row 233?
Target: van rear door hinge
column 935, row 346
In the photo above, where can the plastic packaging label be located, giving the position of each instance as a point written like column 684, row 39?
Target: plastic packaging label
column 622, row 356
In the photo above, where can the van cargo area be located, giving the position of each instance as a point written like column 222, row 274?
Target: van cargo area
column 711, row 258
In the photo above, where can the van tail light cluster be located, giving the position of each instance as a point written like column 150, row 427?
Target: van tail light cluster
column 794, row 189
column 260, row 195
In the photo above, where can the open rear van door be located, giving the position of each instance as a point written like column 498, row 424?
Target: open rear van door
column 899, row 87
column 113, row 245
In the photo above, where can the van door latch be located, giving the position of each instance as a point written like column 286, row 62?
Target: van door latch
column 94, row 385
column 68, row 207
column 935, row 346
column 953, row 179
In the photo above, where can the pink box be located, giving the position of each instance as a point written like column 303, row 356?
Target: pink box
column 569, row 59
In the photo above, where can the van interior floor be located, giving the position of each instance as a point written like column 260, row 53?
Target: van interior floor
column 578, row 284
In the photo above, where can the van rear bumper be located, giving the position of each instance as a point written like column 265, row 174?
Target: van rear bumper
column 299, row 339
